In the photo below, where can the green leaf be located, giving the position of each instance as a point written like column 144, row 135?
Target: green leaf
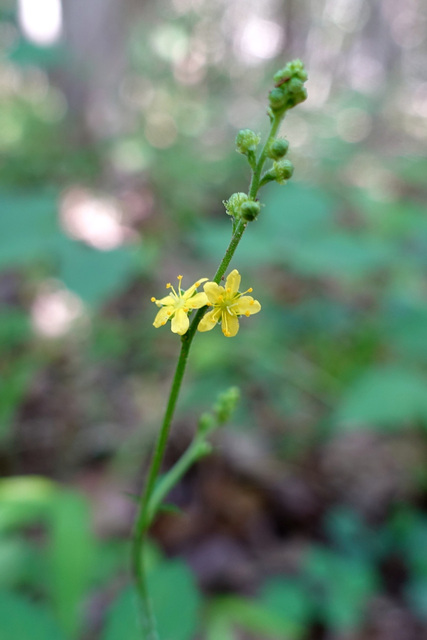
column 20, row 563
column 384, row 396
column 289, row 600
column 71, row 557
column 343, row 587
column 219, row 627
column 20, row 619
column 406, row 331
column 25, row 500
column 176, row 604
column 122, row 618
column 95, row 275
column 341, row 255
column 28, row 226
column 257, row 618
column 15, row 328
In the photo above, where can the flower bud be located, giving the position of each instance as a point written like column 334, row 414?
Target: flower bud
column 289, row 84
column 278, row 148
column 294, row 69
column 297, row 97
column 246, row 141
column 207, row 422
column 282, row 171
column 226, row 404
column 294, row 85
column 234, row 204
column 277, row 98
column 250, row 210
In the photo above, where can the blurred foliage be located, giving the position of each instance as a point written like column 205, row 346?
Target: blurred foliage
column 324, row 463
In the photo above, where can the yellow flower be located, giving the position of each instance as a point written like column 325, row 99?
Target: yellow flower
column 228, row 304
column 176, row 306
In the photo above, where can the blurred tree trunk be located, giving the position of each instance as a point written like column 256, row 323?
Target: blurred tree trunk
column 96, row 34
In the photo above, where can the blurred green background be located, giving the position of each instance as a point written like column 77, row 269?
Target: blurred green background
column 117, row 127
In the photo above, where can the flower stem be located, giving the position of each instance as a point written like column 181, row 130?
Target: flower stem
column 146, row 512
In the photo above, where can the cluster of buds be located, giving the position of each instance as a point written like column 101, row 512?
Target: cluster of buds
column 222, row 411
column 240, row 206
column 289, row 89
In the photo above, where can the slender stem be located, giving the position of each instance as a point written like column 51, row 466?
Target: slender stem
column 146, row 512
column 197, row 449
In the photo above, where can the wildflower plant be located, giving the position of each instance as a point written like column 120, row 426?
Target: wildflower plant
column 190, row 310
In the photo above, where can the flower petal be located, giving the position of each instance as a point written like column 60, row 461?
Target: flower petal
column 229, row 324
column 192, row 289
column 246, row 306
column 162, row 316
column 209, row 320
column 197, row 301
column 170, row 299
column 180, row 322
column 233, row 281
column 213, row 291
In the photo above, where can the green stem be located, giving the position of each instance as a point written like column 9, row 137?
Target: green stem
column 199, row 448
column 147, row 507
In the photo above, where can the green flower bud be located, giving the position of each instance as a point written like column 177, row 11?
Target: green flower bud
column 226, row 404
column 250, row 210
column 234, row 204
column 278, row 148
column 294, row 69
column 282, row 171
column 294, row 86
column 297, row 97
column 290, row 83
column 246, row 141
column 277, row 98
column 207, row 423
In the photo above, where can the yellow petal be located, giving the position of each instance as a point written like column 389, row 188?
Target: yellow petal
column 180, row 322
column 209, row 320
column 213, row 291
column 192, row 289
column 197, row 301
column 229, row 324
column 246, row 306
column 170, row 300
column 233, row 281
column 162, row 316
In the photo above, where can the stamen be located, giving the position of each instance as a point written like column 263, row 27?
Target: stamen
column 179, row 285
column 163, row 323
column 153, row 299
column 185, row 310
column 252, row 302
column 197, row 284
column 168, row 286
column 247, row 314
